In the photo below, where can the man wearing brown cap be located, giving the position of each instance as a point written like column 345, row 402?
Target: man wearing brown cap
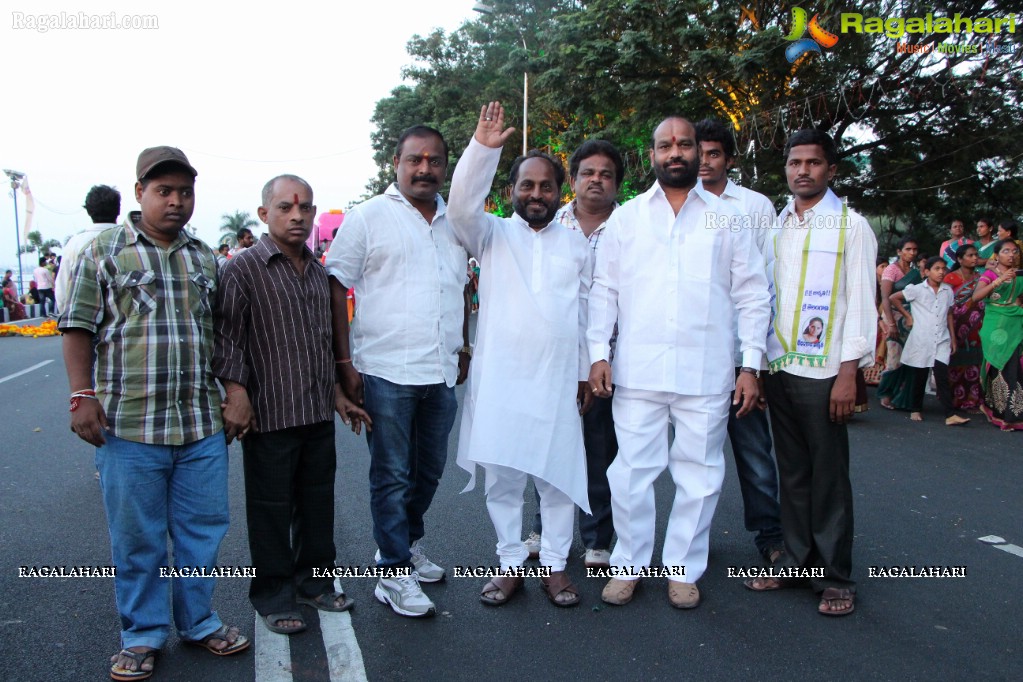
column 138, row 341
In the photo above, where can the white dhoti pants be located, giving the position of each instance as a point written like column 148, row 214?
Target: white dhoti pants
column 505, row 487
column 697, row 466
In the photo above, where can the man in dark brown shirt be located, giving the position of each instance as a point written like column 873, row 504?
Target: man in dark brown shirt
column 273, row 354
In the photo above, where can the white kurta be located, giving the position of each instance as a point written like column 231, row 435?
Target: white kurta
column 520, row 407
column 928, row 339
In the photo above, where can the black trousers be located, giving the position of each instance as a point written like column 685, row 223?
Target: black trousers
column 289, row 504
column 813, row 473
column 940, row 383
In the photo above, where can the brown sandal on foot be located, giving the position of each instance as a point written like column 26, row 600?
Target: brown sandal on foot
column 507, row 585
column 835, row 594
column 557, row 584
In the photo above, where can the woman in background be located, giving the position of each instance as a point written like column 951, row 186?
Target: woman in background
column 896, row 387
column 967, row 317
column 1001, row 338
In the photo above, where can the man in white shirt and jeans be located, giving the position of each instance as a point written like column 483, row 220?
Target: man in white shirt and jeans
column 750, row 436
column 821, row 264
column 408, row 351
column 673, row 280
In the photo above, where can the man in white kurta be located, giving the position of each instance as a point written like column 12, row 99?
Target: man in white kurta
column 673, row 278
column 521, row 414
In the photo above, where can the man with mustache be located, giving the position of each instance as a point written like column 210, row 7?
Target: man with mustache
column 595, row 172
column 277, row 366
column 527, row 386
column 138, row 346
column 672, row 279
column 409, row 347
column 821, row 260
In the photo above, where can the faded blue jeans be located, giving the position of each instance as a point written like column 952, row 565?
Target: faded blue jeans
column 750, row 437
column 148, row 492
column 408, row 448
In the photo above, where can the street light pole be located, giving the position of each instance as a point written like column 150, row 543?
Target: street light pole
column 484, row 8
column 16, row 178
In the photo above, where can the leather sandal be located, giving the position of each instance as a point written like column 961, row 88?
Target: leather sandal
column 558, row 584
column 834, row 594
column 507, row 585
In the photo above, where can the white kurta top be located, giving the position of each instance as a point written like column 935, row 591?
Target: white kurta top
column 929, row 338
column 673, row 283
column 520, row 407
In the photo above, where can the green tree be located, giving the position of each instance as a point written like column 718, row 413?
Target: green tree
column 36, row 243
column 923, row 135
column 231, row 223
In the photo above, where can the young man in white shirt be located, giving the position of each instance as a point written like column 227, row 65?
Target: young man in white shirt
column 673, row 280
column 821, row 263
column 409, row 274
column 103, row 204
column 750, row 436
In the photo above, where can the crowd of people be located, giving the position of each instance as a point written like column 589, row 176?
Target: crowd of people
column 972, row 328
column 579, row 377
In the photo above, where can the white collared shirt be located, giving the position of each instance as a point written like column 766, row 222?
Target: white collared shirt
column 928, row 339
column 756, row 214
column 409, row 276
column 673, row 283
column 69, row 255
column 855, row 318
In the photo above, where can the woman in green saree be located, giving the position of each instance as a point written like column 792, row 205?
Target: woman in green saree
column 1001, row 337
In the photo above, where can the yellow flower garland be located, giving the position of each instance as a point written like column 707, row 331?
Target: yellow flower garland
column 47, row 328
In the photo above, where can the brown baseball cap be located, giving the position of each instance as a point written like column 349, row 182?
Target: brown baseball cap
column 154, row 156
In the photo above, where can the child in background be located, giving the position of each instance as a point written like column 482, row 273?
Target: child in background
column 931, row 338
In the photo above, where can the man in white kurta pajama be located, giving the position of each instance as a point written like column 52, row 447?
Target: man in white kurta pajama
column 521, row 413
column 672, row 274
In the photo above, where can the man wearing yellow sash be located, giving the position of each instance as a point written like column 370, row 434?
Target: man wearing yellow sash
column 821, row 267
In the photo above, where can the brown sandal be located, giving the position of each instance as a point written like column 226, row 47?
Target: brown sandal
column 835, row 594
column 506, row 584
column 557, row 584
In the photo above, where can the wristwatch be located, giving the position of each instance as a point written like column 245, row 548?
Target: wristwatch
column 750, row 370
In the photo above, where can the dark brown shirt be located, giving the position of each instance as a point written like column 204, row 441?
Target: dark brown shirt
column 273, row 335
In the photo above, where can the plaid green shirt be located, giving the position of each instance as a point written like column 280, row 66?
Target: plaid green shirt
column 150, row 311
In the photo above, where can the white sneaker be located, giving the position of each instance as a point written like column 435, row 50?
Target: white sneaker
column 428, row 571
column 404, row 596
column 532, row 543
column 597, row 558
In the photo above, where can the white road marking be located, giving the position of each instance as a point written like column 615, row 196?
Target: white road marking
column 344, row 658
column 25, row 371
column 273, row 655
column 1000, row 543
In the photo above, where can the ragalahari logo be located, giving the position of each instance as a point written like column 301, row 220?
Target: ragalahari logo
column 818, row 36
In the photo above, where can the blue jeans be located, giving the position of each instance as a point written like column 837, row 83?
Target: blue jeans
column 758, row 477
column 148, row 492
column 408, row 448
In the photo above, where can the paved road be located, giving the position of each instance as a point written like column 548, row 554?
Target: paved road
column 925, row 494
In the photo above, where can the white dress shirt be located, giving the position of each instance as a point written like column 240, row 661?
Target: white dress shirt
column 409, row 276
column 673, row 283
column 928, row 339
column 520, row 403
column 756, row 214
column 69, row 255
column 854, row 329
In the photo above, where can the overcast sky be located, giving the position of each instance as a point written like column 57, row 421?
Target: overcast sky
column 247, row 94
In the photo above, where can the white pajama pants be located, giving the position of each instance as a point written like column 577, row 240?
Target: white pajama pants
column 697, row 466
column 505, row 487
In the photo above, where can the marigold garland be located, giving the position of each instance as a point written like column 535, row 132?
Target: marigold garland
column 47, row 328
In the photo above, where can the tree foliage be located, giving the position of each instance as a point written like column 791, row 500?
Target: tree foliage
column 924, row 136
column 231, row 223
column 35, row 243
